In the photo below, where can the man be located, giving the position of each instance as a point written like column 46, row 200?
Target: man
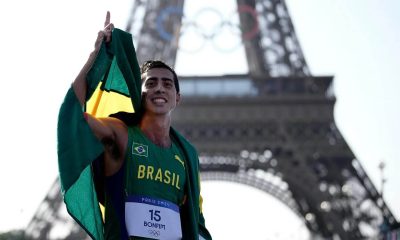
column 150, row 172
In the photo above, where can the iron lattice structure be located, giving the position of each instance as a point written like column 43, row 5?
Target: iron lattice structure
column 272, row 128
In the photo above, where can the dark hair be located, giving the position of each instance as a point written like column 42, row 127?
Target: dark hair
column 150, row 64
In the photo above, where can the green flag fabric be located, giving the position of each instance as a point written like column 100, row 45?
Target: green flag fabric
column 115, row 74
column 114, row 85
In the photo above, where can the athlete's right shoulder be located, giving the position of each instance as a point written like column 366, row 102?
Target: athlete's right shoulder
column 113, row 120
column 115, row 123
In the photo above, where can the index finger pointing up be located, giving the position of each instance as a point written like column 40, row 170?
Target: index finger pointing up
column 107, row 19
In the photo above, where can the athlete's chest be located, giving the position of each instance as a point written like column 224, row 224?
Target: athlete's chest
column 154, row 170
column 162, row 165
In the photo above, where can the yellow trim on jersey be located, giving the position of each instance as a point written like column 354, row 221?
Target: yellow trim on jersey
column 103, row 212
column 200, row 197
column 180, row 160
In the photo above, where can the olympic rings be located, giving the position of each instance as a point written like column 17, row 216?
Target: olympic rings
column 197, row 20
column 202, row 34
column 154, row 233
column 196, row 32
column 253, row 32
column 162, row 17
column 189, row 35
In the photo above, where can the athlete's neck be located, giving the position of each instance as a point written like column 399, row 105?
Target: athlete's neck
column 156, row 128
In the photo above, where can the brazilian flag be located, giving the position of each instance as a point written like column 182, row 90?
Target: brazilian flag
column 113, row 85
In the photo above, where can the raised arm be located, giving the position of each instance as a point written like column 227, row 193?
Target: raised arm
column 110, row 131
column 80, row 85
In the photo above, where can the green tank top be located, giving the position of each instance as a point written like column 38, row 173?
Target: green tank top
column 149, row 170
column 152, row 170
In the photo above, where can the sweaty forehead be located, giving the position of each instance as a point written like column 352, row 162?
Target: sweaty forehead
column 158, row 73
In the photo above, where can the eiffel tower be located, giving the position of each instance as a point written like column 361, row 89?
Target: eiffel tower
column 272, row 128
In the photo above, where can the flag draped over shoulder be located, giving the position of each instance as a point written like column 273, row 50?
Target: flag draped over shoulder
column 113, row 85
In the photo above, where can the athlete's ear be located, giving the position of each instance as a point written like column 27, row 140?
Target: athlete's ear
column 178, row 98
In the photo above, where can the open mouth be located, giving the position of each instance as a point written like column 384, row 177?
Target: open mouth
column 159, row 100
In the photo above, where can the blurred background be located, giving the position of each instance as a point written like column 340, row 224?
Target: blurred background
column 291, row 104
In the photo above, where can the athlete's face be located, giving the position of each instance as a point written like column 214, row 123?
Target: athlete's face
column 158, row 91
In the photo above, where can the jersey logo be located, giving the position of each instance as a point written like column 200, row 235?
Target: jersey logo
column 140, row 149
column 180, row 160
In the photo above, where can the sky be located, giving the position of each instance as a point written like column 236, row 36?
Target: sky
column 44, row 44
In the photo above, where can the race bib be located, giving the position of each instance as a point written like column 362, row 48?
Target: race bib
column 152, row 218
